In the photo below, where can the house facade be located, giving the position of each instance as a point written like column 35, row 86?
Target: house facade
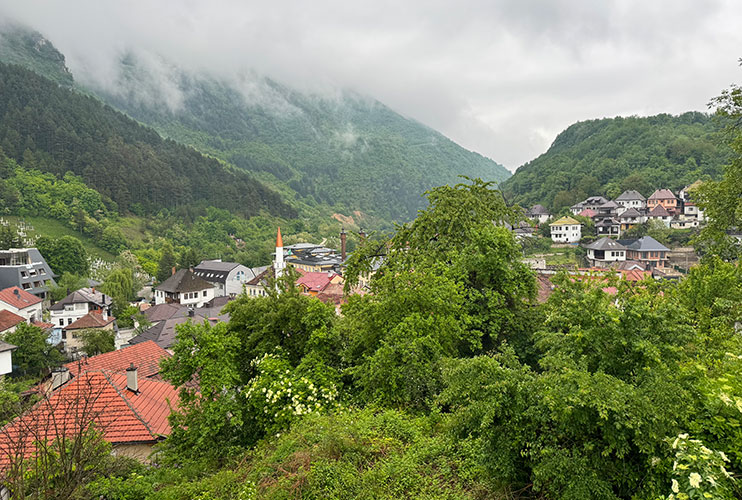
column 78, row 304
column 664, row 198
column 186, row 288
column 605, row 252
column 648, row 251
column 228, row 278
column 22, row 303
column 27, row 269
column 71, row 334
column 538, row 213
column 632, row 199
column 565, row 230
column 660, row 213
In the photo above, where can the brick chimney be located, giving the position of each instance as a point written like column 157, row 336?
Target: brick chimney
column 172, row 271
column 343, row 236
column 362, row 234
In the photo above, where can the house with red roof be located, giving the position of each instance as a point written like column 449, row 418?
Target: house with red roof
column 94, row 320
column 130, row 412
column 22, row 303
column 9, row 321
column 664, row 198
column 313, row 283
column 146, row 356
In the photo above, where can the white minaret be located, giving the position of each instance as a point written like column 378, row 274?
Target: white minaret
column 278, row 264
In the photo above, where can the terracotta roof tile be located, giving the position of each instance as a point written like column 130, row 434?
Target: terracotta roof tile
column 18, row 298
column 93, row 319
column 100, row 398
column 145, row 356
column 9, row 320
column 314, row 281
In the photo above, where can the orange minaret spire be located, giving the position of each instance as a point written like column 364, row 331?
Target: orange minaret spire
column 279, row 240
column 278, row 264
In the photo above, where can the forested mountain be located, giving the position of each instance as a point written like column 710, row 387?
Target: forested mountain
column 608, row 156
column 344, row 150
column 56, row 129
column 31, row 50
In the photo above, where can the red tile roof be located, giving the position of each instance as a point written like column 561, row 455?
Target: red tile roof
column 19, row 300
column 100, row 398
column 9, row 320
column 314, row 281
column 93, row 319
column 588, row 212
column 145, row 356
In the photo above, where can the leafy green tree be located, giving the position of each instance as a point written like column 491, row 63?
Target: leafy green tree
column 189, row 257
column 9, row 237
column 722, row 200
column 166, row 263
column 64, row 255
column 97, row 341
column 67, row 284
column 34, row 355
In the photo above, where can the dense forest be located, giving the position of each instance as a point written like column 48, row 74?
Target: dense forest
column 57, row 130
column 344, row 150
column 608, row 156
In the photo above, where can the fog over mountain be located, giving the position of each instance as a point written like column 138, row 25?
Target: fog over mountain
column 499, row 77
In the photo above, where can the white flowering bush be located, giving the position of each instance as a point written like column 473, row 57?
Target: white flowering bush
column 279, row 394
column 699, row 472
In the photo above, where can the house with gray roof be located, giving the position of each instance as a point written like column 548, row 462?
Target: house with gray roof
column 632, row 199
column 648, row 251
column 630, row 218
column 604, row 252
column 538, row 213
column 592, row 203
column 185, row 288
column 229, row 278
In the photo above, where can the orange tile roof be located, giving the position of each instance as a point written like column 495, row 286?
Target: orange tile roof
column 145, row 356
column 93, row 319
column 19, row 300
column 314, row 281
column 9, row 320
column 98, row 398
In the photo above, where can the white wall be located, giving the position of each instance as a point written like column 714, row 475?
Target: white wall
column 70, row 314
column 6, row 362
column 238, row 277
column 566, row 234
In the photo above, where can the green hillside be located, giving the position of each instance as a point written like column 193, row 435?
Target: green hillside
column 55, row 129
column 347, row 151
column 32, row 51
column 608, row 156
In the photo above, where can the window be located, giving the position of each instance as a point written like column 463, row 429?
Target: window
column 69, row 321
column 61, row 321
column 204, row 293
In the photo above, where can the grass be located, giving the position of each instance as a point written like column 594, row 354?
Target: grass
column 55, row 229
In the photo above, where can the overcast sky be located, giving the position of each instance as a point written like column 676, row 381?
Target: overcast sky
column 501, row 77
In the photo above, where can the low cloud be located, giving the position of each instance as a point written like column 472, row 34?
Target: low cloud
column 500, row 77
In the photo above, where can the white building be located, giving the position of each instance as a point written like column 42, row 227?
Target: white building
column 6, row 358
column 185, row 288
column 22, row 303
column 78, row 304
column 229, row 278
column 566, row 230
column 632, row 199
column 604, row 252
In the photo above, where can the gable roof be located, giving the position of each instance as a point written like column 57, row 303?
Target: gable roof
column 4, row 346
column 588, row 212
column 163, row 333
column 97, row 397
column 630, row 195
column 146, row 356
column 659, row 211
column 565, row 221
column 93, row 319
column 605, row 243
column 9, row 319
column 184, row 281
column 538, row 210
column 631, row 213
column 18, row 298
column 314, row 281
column 609, row 204
column 662, row 194
column 83, row 296
column 162, row 312
column 646, row 244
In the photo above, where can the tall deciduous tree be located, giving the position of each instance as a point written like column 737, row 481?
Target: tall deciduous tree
column 65, row 255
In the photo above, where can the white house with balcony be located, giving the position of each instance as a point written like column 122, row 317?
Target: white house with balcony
column 185, row 288
column 78, row 304
column 566, row 230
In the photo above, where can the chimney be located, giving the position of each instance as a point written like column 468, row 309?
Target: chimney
column 60, row 376
column 172, row 271
column 343, row 236
column 132, row 381
column 191, row 312
column 17, row 292
column 93, row 290
column 362, row 234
